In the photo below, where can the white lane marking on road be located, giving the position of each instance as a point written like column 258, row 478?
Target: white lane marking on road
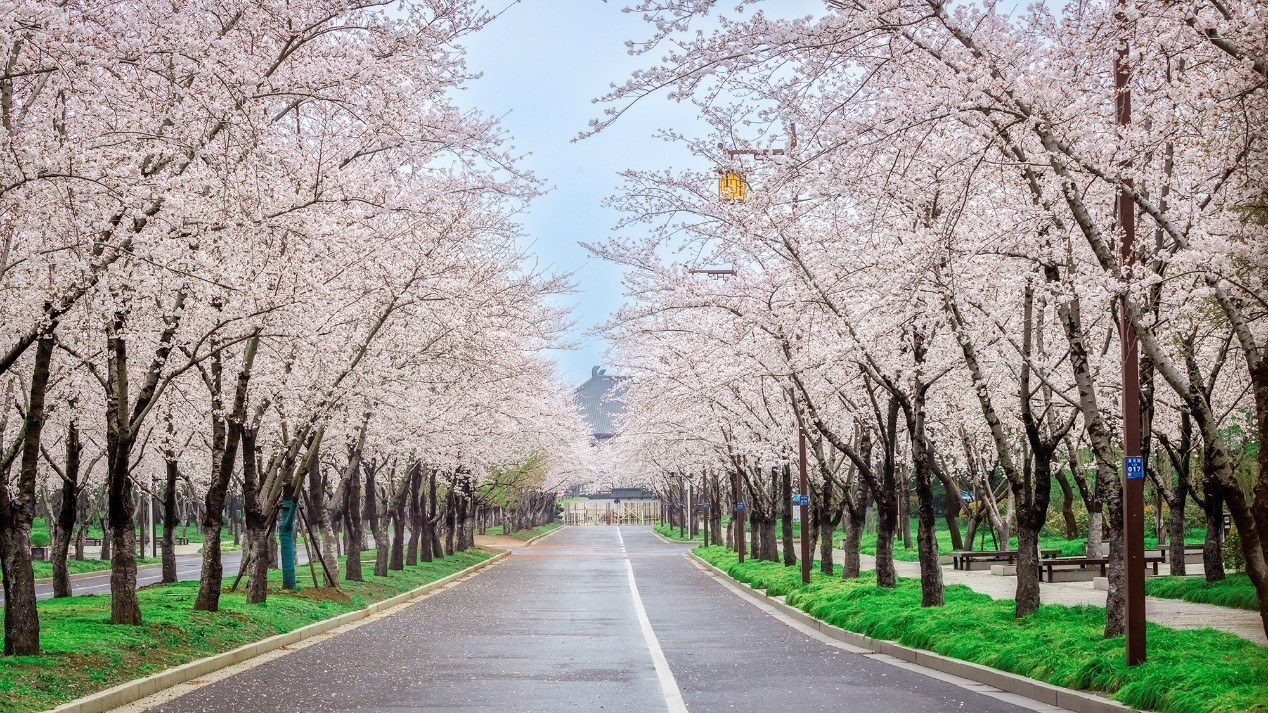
column 618, row 536
column 668, row 685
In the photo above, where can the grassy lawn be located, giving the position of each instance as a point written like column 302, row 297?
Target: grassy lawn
column 526, row 535
column 44, row 570
column 1201, row 671
column 1235, row 591
column 82, row 653
column 672, row 533
column 40, row 533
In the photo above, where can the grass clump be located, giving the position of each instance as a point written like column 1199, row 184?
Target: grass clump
column 671, row 532
column 1235, row 591
column 526, row 535
column 44, row 569
column 83, row 653
column 1192, row 671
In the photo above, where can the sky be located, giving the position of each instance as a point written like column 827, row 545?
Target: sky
column 543, row 63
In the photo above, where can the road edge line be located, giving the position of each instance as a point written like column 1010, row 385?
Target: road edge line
column 135, row 690
column 1037, row 691
column 668, row 684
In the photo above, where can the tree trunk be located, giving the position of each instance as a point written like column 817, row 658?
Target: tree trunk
column 1067, row 506
column 257, row 523
column 1212, row 550
column 790, row 556
column 353, row 527
column 450, row 520
column 319, row 520
column 17, row 510
column 125, row 608
column 415, row 519
column 1176, row 528
column 66, row 514
column 397, row 559
column 854, row 522
column 169, row 520
column 433, row 517
column 21, row 619
column 371, row 516
column 1027, row 597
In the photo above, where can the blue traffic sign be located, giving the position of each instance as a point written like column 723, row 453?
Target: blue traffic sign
column 1135, row 467
column 739, row 506
column 805, row 500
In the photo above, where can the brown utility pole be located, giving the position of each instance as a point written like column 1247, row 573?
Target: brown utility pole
column 739, row 515
column 804, row 502
column 1133, row 461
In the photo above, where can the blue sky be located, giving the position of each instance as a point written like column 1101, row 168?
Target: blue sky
column 543, row 62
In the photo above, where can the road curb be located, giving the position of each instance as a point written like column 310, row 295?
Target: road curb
column 131, row 691
column 1077, row 701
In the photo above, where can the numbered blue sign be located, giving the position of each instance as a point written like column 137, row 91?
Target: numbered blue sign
column 1135, row 467
column 805, row 500
column 796, row 498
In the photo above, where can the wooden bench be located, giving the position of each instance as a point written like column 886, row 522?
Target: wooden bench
column 180, row 540
column 964, row 559
column 1051, row 563
column 1188, row 550
column 92, row 541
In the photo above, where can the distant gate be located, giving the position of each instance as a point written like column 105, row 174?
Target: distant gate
column 610, row 512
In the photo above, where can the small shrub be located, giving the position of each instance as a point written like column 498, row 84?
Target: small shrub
column 1232, row 551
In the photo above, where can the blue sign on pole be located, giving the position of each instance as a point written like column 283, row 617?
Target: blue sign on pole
column 805, row 500
column 1135, row 467
column 739, row 506
column 796, row 499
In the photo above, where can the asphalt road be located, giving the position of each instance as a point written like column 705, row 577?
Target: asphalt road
column 187, row 568
column 589, row 619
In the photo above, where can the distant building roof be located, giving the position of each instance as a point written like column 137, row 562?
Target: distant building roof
column 600, row 401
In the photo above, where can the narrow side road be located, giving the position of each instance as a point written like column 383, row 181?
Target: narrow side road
column 598, row 618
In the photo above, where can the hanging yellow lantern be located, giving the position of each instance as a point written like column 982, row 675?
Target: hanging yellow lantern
column 732, row 186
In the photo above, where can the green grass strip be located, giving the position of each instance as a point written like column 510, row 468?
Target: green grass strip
column 1235, row 591
column 83, row 653
column 1188, row 671
column 526, row 535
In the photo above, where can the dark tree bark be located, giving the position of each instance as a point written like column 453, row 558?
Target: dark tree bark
column 451, row 515
column 827, row 515
column 790, row 555
column 371, row 517
column 66, row 513
column 415, row 518
column 433, row 518
column 17, row 508
column 354, row 527
column 258, row 526
column 169, row 517
column 1180, row 457
column 396, row 561
column 226, row 434
column 1067, row 505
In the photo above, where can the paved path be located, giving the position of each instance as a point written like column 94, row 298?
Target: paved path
column 588, row 619
column 188, row 568
column 1175, row 613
